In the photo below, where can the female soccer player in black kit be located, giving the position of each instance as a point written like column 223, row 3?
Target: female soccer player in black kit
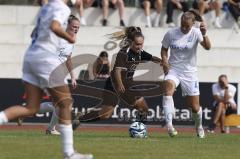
column 121, row 78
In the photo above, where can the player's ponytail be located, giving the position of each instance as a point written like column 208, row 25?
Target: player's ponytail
column 71, row 18
column 126, row 36
column 196, row 14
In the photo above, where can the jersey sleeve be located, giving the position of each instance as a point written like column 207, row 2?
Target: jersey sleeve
column 121, row 60
column 166, row 40
column 146, row 56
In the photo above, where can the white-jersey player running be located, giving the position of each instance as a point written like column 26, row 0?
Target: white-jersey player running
column 181, row 67
column 64, row 54
column 41, row 71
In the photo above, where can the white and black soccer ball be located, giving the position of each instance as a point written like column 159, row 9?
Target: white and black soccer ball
column 138, row 130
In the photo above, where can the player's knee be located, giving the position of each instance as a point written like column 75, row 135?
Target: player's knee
column 31, row 110
column 65, row 103
column 221, row 105
column 107, row 115
column 169, row 88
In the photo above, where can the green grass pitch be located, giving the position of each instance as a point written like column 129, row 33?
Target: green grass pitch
column 118, row 145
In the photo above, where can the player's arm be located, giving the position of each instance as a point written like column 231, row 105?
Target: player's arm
column 164, row 55
column 69, row 67
column 221, row 99
column 206, row 42
column 156, row 60
column 59, row 31
column 118, row 79
column 227, row 96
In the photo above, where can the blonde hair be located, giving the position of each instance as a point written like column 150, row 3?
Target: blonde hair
column 126, row 35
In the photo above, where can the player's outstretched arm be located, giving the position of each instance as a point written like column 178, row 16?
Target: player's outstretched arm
column 156, row 59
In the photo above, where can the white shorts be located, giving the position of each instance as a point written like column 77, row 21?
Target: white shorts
column 44, row 72
column 188, row 82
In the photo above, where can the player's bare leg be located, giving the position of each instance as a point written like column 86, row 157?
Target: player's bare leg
column 34, row 95
column 62, row 99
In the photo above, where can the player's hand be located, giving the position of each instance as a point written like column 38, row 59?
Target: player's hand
column 74, row 83
column 121, row 88
column 166, row 67
column 203, row 28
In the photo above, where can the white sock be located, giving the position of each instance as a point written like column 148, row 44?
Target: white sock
column 197, row 117
column 46, row 107
column 3, row 118
column 54, row 119
column 67, row 139
column 148, row 19
column 157, row 20
column 168, row 108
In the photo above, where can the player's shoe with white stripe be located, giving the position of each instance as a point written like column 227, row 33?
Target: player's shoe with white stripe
column 76, row 155
column 200, row 132
column 52, row 132
column 172, row 132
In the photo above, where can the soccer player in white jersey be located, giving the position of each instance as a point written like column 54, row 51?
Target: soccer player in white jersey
column 64, row 53
column 40, row 61
column 181, row 68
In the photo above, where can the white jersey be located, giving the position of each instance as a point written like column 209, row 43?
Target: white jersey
column 217, row 90
column 43, row 39
column 183, row 49
column 65, row 50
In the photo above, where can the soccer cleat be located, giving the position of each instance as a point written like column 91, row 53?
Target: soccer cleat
column 172, row 132
column 76, row 122
column 19, row 121
column 200, row 132
column 76, row 155
column 52, row 132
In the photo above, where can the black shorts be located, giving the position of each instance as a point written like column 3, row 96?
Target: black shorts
column 151, row 1
column 129, row 96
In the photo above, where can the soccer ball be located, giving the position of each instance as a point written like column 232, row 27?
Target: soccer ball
column 137, row 130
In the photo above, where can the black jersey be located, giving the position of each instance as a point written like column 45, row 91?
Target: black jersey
column 128, row 61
